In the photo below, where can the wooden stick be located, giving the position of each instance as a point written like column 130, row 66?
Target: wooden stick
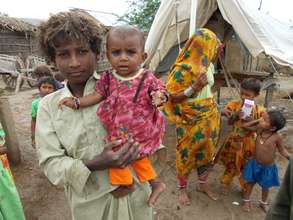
column 7, row 122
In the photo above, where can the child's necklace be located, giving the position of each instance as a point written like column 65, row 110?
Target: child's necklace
column 127, row 78
column 261, row 138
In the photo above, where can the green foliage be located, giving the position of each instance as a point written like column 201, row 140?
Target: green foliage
column 141, row 13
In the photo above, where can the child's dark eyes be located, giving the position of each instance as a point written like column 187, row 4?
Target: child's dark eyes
column 116, row 52
column 119, row 52
column 130, row 52
column 83, row 51
column 62, row 54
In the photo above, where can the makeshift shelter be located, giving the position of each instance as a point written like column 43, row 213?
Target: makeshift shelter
column 255, row 31
column 17, row 37
column 253, row 40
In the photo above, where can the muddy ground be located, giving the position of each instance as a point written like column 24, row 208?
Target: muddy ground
column 43, row 201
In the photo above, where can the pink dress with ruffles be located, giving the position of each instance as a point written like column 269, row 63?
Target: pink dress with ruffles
column 125, row 118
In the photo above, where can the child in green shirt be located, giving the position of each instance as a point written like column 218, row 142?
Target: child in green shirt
column 46, row 86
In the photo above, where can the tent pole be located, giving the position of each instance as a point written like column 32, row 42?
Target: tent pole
column 192, row 21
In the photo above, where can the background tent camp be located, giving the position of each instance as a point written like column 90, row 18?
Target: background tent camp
column 249, row 35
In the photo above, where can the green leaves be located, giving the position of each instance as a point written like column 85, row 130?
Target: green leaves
column 141, row 13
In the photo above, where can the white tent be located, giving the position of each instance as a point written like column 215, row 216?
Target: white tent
column 260, row 33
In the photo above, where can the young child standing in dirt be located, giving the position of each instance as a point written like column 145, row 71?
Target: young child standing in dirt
column 131, row 95
column 240, row 143
column 46, row 85
column 261, row 168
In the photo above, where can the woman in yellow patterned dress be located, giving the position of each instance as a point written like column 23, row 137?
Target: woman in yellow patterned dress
column 192, row 108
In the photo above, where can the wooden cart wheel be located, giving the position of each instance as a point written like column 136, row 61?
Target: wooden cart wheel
column 31, row 63
column 9, row 79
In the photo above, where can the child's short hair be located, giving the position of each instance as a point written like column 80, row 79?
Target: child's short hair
column 43, row 70
column 251, row 84
column 277, row 119
column 67, row 26
column 47, row 79
column 127, row 30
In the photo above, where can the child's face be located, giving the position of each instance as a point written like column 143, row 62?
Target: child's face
column 76, row 61
column 45, row 89
column 265, row 122
column 247, row 94
column 125, row 54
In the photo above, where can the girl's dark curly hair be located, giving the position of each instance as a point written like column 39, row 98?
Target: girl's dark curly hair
column 67, row 26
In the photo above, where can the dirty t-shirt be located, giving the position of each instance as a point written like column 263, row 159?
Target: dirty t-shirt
column 64, row 138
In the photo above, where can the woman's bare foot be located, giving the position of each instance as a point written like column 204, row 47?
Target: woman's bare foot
column 122, row 191
column 264, row 206
column 183, row 197
column 246, row 205
column 157, row 189
column 203, row 188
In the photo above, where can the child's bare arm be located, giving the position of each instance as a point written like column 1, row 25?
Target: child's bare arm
column 251, row 125
column 281, row 148
column 90, row 100
column 85, row 101
column 33, row 128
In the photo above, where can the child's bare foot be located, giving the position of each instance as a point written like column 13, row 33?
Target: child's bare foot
column 246, row 205
column 264, row 206
column 183, row 197
column 157, row 189
column 122, row 191
column 203, row 188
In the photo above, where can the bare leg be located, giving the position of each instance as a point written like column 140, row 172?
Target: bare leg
column 183, row 197
column 263, row 204
column 157, row 189
column 203, row 187
column 122, row 191
column 246, row 197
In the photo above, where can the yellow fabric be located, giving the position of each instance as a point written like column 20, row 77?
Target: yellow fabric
column 196, row 142
column 194, row 58
column 239, row 145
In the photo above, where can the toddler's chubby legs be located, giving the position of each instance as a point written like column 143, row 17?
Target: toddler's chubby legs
column 158, row 188
column 246, row 197
column 145, row 172
column 263, row 204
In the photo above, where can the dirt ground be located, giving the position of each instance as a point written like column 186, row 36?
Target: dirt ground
column 43, row 201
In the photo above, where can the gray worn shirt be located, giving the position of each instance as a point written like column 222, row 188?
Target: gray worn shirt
column 66, row 137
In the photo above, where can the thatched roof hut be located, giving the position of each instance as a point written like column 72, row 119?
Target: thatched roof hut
column 17, row 37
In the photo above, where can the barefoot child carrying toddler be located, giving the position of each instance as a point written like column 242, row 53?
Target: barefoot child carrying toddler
column 129, row 96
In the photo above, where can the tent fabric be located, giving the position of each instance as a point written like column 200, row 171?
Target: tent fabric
column 258, row 32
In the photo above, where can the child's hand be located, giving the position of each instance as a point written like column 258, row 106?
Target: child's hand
column 158, row 98
column 227, row 113
column 68, row 101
